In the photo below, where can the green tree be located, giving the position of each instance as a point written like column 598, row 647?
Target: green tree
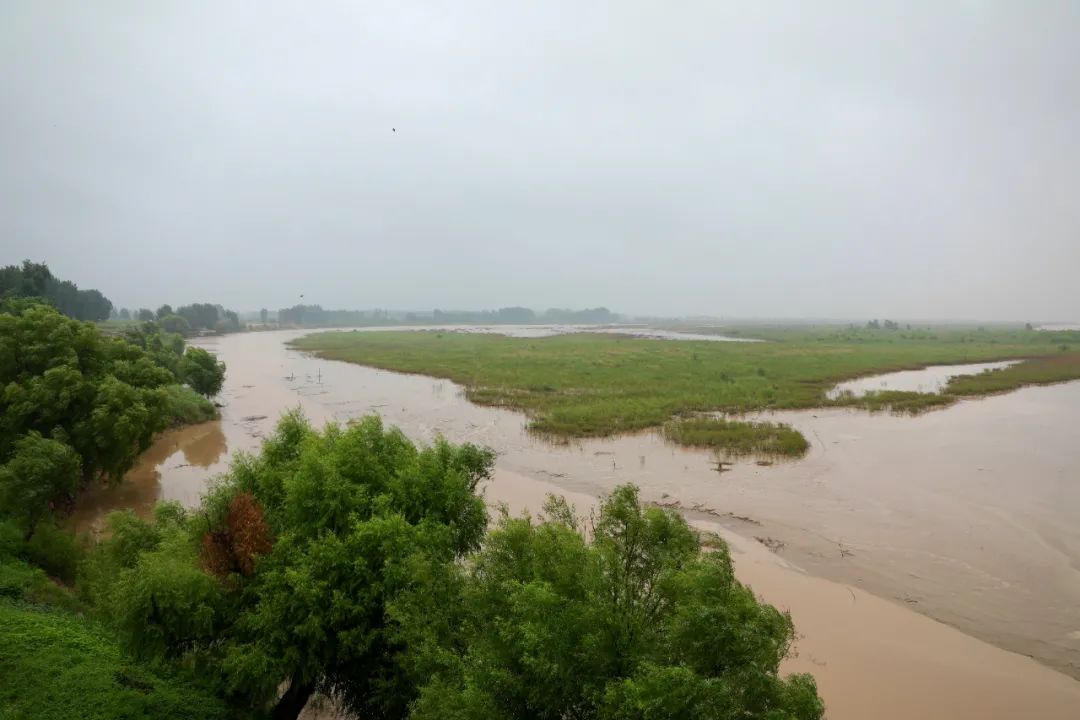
column 163, row 311
column 66, row 381
column 145, row 315
column 201, row 316
column 639, row 624
column 202, row 371
column 175, row 324
column 285, row 577
column 40, row 474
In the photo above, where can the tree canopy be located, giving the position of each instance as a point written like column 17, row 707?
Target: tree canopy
column 75, row 405
column 286, row 573
column 202, row 371
column 638, row 623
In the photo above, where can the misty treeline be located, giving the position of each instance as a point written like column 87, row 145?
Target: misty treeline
column 36, row 280
column 187, row 319
column 315, row 316
column 351, row 563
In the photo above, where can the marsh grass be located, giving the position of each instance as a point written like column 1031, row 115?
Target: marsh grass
column 737, row 438
column 898, row 401
column 594, row 385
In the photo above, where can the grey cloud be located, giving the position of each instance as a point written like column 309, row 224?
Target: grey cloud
column 839, row 159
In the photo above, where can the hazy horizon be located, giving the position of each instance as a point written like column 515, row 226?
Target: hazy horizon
column 740, row 160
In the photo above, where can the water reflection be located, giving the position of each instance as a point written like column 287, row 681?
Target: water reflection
column 176, row 467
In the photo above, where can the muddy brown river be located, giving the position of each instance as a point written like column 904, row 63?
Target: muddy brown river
column 969, row 516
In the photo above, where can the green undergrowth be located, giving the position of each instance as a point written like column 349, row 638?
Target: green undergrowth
column 737, row 438
column 594, row 385
column 55, row 665
column 184, row 406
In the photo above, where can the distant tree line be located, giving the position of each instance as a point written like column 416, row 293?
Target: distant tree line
column 316, row 316
column 36, row 280
column 187, row 319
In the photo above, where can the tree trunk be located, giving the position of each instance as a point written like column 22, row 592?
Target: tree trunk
column 293, row 701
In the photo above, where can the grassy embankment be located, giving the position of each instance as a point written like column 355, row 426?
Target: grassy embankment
column 597, row 385
column 55, row 665
column 54, row 662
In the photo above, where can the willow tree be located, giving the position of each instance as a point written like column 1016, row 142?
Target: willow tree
column 637, row 624
column 280, row 585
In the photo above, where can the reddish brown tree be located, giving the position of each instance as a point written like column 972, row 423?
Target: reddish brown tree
column 236, row 547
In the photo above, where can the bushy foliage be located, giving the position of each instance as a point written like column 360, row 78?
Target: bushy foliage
column 351, row 562
column 184, row 406
column 77, row 405
column 39, row 475
column 64, row 380
column 284, row 575
column 202, row 371
column 175, row 324
column 639, row 624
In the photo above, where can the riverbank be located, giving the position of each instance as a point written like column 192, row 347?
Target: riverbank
column 873, row 492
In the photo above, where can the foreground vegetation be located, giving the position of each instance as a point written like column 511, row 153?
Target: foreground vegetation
column 352, row 563
column 595, row 385
column 56, row 666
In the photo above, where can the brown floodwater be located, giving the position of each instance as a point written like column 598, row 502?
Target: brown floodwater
column 968, row 515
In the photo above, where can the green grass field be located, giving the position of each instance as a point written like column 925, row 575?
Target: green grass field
column 55, row 665
column 596, row 385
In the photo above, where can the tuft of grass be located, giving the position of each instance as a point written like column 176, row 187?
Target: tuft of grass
column 899, row 401
column 56, row 665
column 737, row 438
column 184, row 406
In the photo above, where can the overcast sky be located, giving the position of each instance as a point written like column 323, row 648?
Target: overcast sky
column 838, row 159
